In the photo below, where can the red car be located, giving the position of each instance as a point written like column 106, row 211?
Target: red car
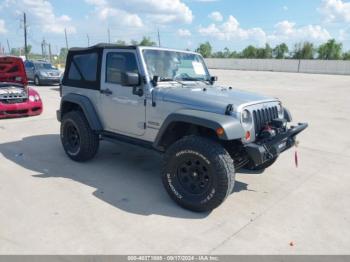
column 16, row 98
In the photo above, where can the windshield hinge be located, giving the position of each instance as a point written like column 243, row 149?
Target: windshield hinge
column 144, row 125
column 145, row 102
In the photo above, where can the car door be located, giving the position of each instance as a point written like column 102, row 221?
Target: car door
column 123, row 111
column 29, row 66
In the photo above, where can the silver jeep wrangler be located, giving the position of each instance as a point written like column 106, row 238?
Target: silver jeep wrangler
column 166, row 100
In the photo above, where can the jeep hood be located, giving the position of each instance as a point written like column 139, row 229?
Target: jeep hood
column 212, row 98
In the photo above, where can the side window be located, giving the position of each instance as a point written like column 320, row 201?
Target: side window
column 83, row 67
column 73, row 73
column 29, row 65
column 118, row 63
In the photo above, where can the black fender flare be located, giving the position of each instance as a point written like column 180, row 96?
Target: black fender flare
column 232, row 127
column 86, row 106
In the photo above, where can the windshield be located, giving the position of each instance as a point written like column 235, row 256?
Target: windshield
column 175, row 66
column 45, row 66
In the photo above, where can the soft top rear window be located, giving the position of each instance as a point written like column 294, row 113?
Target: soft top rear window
column 83, row 70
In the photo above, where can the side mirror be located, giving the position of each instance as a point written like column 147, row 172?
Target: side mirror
column 130, row 79
column 213, row 79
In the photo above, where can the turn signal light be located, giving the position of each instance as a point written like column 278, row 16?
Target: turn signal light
column 220, row 131
column 247, row 135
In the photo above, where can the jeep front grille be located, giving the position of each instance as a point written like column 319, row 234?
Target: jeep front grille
column 263, row 117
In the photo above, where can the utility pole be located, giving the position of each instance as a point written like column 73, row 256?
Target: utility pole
column 109, row 36
column 158, row 38
column 43, row 49
column 88, row 39
column 50, row 54
column 65, row 34
column 25, row 36
column 8, row 46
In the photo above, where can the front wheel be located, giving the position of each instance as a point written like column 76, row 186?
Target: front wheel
column 198, row 173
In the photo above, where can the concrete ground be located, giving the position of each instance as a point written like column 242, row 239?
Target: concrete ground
column 116, row 203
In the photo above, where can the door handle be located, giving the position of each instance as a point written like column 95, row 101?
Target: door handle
column 106, row 92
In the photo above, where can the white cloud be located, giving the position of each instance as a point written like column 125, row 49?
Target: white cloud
column 335, row 10
column 157, row 12
column 41, row 13
column 3, row 29
column 287, row 31
column 183, row 33
column 285, row 8
column 231, row 30
column 216, row 16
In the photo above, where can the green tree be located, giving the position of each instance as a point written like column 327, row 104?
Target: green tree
column 249, row 52
column 134, row 42
column 330, row 50
column 16, row 51
column 121, row 43
column 346, row 56
column 280, row 51
column 304, row 51
column 205, row 49
column 265, row 52
column 146, row 41
column 63, row 55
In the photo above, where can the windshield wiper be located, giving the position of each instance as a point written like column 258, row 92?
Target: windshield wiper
column 171, row 80
column 207, row 82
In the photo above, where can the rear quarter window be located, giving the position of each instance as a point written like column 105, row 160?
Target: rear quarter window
column 84, row 67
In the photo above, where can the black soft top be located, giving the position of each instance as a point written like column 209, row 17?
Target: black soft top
column 101, row 46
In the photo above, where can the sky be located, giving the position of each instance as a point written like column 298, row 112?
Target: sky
column 182, row 23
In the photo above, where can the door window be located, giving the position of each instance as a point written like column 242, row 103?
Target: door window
column 119, row 63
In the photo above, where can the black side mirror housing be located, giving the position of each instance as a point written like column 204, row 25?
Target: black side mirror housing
column 213, row 79
column 130, row 79
column 155, row 80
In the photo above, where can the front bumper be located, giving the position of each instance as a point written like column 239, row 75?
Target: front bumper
column 20, row 109
column 261, row 152
column 50, row 80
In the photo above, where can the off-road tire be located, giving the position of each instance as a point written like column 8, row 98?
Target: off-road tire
column 87, row 140
column 37, row 81
column 262, row 167
column 209, row 165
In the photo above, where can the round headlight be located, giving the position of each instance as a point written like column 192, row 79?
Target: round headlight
column 280, row 111
column 37, row 98
column 31, row 98
column 247, row 119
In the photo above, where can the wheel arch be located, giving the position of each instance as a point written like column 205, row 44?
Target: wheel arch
column 79, row 102
column 187, row 122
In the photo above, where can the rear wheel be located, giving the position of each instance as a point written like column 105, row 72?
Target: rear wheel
column 198, row 173
column 79, row 141
column 37, row 81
